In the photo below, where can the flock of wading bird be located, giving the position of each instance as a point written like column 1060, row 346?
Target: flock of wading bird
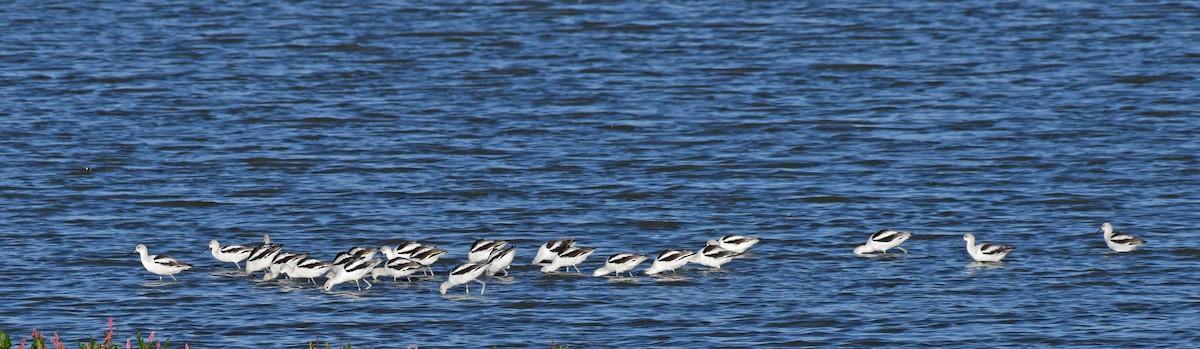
column 492, row 257
column 485, row 257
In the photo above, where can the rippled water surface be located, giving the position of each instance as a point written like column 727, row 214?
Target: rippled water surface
column 631, row 126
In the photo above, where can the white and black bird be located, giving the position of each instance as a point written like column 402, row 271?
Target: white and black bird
column 482, row 249
column 262, row 256
column 669, row 261
column 620, row 263
column 713, row 256
column 735, row 243
column 282, row 259
column 354, row 254
column 551, row 249
column 986, row 252
column 500, row 261
column 1118, row 241
column 569, row 258
column 407, row 248
column 353, row 271
column 463, row 274
column 396, row 268
column 426, row 255
column 160, row 265
column 229, row 254
column 307, row 268
column 883, row 240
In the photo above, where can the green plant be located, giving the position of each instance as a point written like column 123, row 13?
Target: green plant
column 108, row 339
column 148, row 343
column 316, row 345
column 5, row 341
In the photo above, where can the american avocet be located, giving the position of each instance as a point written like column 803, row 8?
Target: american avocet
column 482, row 249
column 986, row 252
column 463, row 274
column 307, row 268
column 551, row 249
column 500, row 261
column 388, row 253
column 407, row 247
column 353, row 271
column 281, row 260
column 396, row 268
column 883, row 240
column 570, row 258
column 354, row 254
column 160, row 265
column 262, row 256
column 713, row 256
column 669, row 261
column 735, row 243
column 1118, row 241
column 427, row 255
column 620, row 263
column 229, row 254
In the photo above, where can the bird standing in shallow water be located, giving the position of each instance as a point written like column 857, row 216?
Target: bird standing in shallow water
column 229, row 254
column 308, row 268
column 713, row 256
column 353, row 271
column 160, row 265
column 986, row 252
column 500, row 261
column 1118, row 241
column 482, row 249
column 620, row 263
column 735, row 243
column 883, row 240
column 570, row 258
column 462, row 274
column 551, row 249
column 669, row 261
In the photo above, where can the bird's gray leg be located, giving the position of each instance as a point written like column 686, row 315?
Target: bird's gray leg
column 902, row 249
column 236, row 265
column 481, row 288
column 368, row 283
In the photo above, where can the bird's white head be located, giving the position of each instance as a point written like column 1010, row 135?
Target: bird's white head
column 551, row 267
column 140, row 249
column 329, row 284
column 969, row 237
column 266, row 239
column 600, row 272
column 214, row 244
column 1106, row 228
column 445, row 287
column 864, row 249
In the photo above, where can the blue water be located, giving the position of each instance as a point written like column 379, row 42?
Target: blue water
column 631, row 126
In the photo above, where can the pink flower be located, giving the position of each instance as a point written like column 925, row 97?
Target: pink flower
column 58, row 344
column 109, row 336
column 151, row 339
column 128, row 344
